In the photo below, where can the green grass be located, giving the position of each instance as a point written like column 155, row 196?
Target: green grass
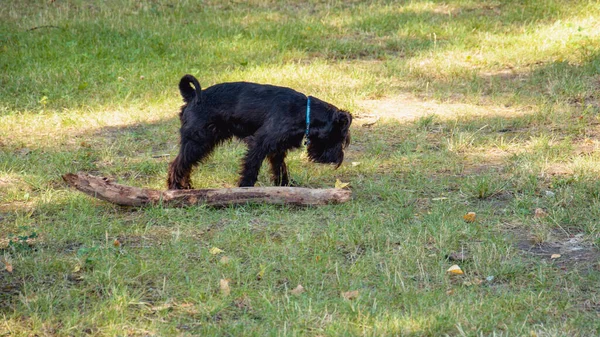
column 508, row 95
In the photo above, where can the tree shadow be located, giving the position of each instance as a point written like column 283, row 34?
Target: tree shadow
column 104, row 63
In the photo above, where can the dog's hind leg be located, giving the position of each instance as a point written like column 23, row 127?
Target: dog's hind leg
column 279, row 169
column 190, row 154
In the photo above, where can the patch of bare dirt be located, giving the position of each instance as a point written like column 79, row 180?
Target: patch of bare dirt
column 491, row 160
column 571, row 252
column 558, row 169
column 406, row 107
column 8, row 182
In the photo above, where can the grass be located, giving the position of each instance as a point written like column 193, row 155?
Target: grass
column 508, row 122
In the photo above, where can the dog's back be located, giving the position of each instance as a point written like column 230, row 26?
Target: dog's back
column 246, row 106
column 248, row 95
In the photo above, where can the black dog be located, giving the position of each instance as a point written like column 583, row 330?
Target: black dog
column 271, row 120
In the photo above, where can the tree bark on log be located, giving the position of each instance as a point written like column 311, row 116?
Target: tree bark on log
column 106, row 189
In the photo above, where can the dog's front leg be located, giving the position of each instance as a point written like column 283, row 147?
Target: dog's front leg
column 251, row 166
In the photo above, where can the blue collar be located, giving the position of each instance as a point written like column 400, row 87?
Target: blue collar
column 307, row 141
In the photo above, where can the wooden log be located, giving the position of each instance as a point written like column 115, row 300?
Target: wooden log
column 108, row 190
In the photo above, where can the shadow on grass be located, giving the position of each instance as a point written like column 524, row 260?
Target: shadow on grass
column 546, row 83
column 100, row 61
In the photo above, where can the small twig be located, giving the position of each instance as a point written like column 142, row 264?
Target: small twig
column 45, row 26
column 371, row 123
column 161, row 155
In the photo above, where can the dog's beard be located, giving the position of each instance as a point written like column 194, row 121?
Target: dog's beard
column 326, row 154
column 346, row 141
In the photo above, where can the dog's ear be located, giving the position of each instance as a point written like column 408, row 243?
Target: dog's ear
column 343, row 119
column 187, row 91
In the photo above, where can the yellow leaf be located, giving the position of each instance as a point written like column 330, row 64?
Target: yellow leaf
column 298, row 290
column 215, row 251
column 7, row 265
column 455, row 269
column 540, row 213
column 554, row 256
column 339, row 184
column 350, row 295
column 470, row 217
column 261, row 272
column 224, row 286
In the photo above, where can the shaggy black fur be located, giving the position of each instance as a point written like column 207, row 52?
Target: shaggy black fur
column 271, row 120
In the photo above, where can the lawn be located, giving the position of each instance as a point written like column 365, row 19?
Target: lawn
column 491, row 107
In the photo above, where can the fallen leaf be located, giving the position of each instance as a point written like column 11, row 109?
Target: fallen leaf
column 540, row 213
column 449, row 292
column 350, row 295
column 7, row 265
column 455, row 269
column 215, row 251
column 261, row 272
column 554, row 256
column 298, row 290
column 224, row 286
column 117, row 243
column 470, row 217
column 224, row 260
column 339, row 184
column 355, row 163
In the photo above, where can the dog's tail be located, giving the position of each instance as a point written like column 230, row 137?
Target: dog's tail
column 187, row 91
